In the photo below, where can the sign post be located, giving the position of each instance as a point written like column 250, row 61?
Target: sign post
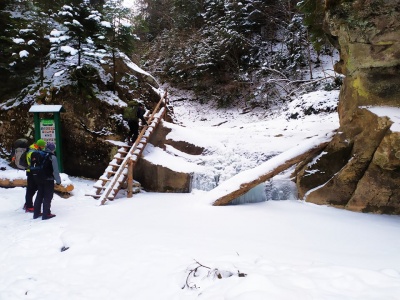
column 48, row 128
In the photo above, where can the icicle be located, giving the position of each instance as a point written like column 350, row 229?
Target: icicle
column 281, row 189
column 204, row 182
column 255, row 195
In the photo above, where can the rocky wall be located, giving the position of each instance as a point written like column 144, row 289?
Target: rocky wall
column 360, row 169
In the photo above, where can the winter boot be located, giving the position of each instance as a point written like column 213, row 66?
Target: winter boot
column 35, row 216
column 49, row 216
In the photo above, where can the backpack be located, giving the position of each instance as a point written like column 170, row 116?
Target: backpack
column 41, row 167
column 131, row 112
column 20, row 158
column 20, row 150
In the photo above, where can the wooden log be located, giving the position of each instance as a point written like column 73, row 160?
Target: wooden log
column 18, row 182
column 241, row 183
column 64, row 188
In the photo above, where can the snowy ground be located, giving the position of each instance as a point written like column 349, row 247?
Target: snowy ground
column 149, row 247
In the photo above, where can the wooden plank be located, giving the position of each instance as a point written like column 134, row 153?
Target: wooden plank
column 224, row 194
column 93, row 195
column 97, row 196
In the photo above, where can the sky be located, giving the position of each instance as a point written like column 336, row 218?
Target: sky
column 129, row 3
column 178, row 246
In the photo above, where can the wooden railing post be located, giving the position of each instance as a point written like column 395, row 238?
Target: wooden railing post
column 130, row 178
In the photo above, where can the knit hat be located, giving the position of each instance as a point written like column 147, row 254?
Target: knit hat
column 50, row 146
column 41, row 143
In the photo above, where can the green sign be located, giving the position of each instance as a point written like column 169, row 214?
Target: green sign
column 49, row 129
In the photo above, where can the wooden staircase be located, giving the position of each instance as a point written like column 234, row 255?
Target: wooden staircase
column 120, row 168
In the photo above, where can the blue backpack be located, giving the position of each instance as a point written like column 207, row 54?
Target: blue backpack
column 41, row 167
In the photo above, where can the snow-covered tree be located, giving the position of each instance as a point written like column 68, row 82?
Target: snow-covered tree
column 155, row 17
column 82, row 25
column 24, row 43
column 117, row 31
column 186, row 14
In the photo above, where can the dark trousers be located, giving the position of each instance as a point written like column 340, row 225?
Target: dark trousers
column 133, row 130
column 31, row 188
column 44, row 196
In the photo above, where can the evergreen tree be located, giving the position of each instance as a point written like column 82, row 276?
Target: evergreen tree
column 186, row 14
column 155, row 17
column 82, row 24
column 24, row 44
column 7, row 32
column 41, row 25
column 313, row 17
column 117, row 31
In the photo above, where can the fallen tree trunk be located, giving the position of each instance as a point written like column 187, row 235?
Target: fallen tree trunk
column 18, row 182
column 241, row 183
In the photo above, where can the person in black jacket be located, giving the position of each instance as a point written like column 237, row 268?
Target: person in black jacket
column 46, row 185
column 132, row 113
column 31, row 187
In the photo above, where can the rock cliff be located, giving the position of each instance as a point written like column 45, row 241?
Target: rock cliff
column 360, row 169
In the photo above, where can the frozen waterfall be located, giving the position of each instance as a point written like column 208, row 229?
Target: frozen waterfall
column 274, row 189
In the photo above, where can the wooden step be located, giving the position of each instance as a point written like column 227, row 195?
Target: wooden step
column 104, row 187
column 93, row 195
column 122, row 151
column 98, row 196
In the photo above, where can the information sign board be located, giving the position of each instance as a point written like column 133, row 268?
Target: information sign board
column 48, row 130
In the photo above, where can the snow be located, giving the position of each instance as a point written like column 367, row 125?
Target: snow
column 129, row 3
column 45, row 108
column 392, row 112
column 106, row 24
column 159, row 157
column 76, row 22
column 69, row 49
column 111, row 99
column 321, row 100
column 134, row 66
column 148, row 246
column 18, row 40
column 56, row 33
column 23, row 53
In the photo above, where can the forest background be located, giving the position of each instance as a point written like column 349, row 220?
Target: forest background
column 255, row 52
